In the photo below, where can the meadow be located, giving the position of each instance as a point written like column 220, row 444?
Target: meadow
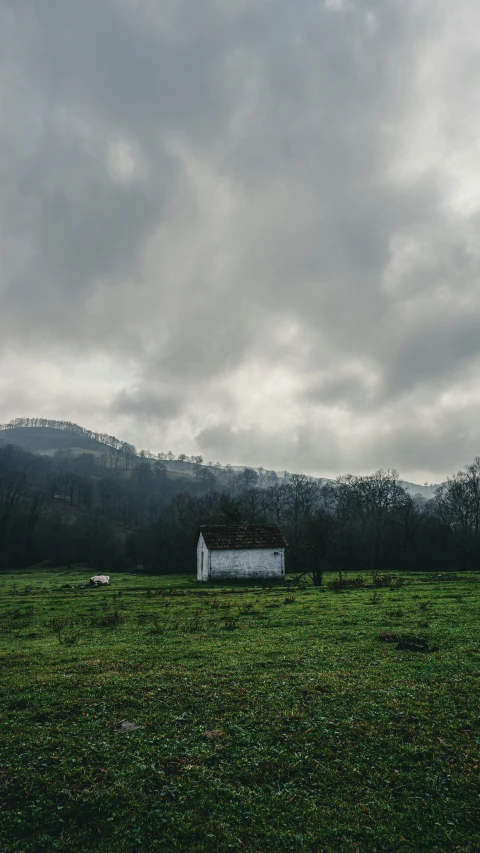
column 266, row 719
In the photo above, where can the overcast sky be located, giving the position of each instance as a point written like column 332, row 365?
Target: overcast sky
column 245, row 228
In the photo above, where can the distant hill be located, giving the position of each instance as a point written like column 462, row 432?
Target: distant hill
column 49, row 440
column 425, row 491
column 39, row 435
column 42, row 434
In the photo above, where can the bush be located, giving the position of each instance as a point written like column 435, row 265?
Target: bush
column 110, row 620
column 387, row 581
column 69, row 639
column 194, row 624
column 346, row 583
column 406, row 642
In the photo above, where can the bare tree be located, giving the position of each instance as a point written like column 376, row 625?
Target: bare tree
column 457, row 505
column 367, row 510
column 247, row 478
column 277, row 498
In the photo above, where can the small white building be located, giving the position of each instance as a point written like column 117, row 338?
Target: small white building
column 240, row 551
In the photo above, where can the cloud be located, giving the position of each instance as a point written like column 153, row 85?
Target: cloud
column 247, row 228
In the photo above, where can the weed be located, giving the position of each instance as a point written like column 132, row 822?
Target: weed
column 194, row 624
column 110, row 620
column 415, row 644
column 69, row 639
column 406, row 642
column 57, row 624
column 27, row 613
column 157, row 627
column 388, row 637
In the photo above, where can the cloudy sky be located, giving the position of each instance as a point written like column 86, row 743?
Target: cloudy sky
column 245, row 228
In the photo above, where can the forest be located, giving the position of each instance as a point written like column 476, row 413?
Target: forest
column 121, row 510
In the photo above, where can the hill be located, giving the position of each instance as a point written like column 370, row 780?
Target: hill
column 89, row 498
column 39, row 435
column 47, row 440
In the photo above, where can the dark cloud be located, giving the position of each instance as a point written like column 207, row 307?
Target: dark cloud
column 250, row 223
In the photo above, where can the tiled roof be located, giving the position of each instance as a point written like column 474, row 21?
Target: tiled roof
column 224, row 537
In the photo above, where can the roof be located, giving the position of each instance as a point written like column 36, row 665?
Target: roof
column 223, row 537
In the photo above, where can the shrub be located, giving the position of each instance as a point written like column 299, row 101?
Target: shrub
column 162, row 629
column 407, row 642
column 69, row 639
column 110, row 620
column 413, row 644
column 194, row 624
column 388, row 637
column 387, row 581
column 346, row 583
column 27, row 613
column 57, row 624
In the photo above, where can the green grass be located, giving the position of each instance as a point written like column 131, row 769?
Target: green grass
column 325, row 738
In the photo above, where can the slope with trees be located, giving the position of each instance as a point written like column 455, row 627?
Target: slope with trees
column 119, row 510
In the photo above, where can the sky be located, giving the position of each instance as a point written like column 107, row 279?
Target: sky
column 246, row 229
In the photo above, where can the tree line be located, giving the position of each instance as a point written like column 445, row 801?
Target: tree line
column 81, row 509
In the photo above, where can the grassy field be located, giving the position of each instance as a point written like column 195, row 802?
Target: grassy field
column 268, row 720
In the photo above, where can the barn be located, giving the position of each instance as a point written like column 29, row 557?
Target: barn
column 240, row 551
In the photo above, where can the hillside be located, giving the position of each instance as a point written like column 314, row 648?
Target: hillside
column 87, row 498
column 49, row 440
column 46, row 437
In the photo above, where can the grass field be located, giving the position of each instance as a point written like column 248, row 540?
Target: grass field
column 269, row 720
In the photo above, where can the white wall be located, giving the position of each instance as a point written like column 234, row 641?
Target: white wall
column 202, row 566
column 252, row 563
